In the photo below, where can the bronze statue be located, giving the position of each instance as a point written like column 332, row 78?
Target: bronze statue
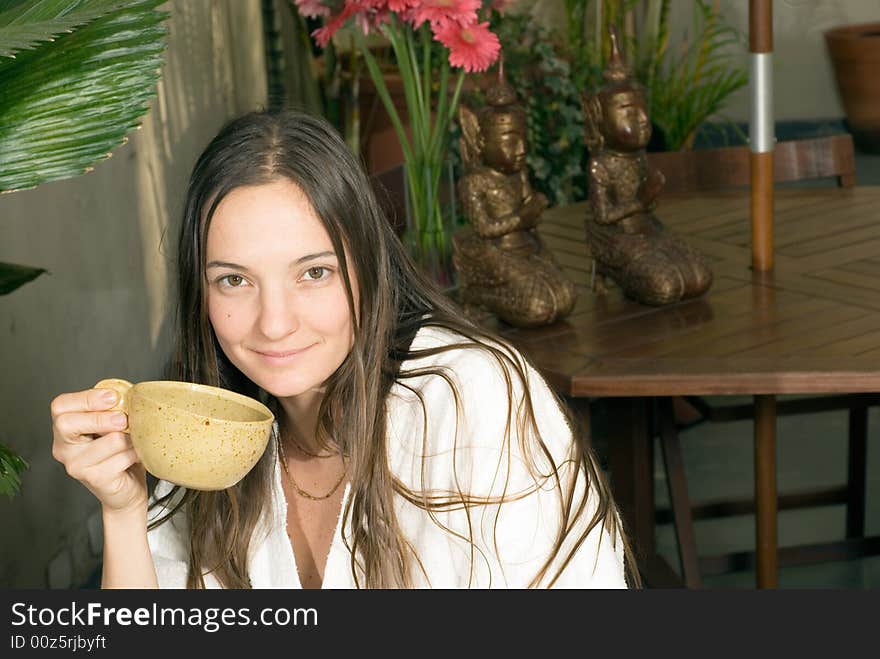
column 627, row 242
column 502, row 264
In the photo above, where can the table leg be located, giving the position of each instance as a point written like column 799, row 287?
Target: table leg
column 765, row 491
column 631, row 463
column 679, row 501
column 857, row 475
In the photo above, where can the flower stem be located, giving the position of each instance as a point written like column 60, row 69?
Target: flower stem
column 382, row 90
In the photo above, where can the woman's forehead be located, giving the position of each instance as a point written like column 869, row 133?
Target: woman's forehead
column 272, row 216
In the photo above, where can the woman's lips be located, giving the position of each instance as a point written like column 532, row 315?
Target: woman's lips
column 278, row 356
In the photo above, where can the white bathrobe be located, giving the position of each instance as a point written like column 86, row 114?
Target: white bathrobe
column 466, row 452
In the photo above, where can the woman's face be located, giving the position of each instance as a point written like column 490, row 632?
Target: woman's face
column 276, row 298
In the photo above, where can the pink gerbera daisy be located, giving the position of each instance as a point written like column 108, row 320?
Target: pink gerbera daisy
column 324, row 34
column 440, row 12
column 371, row 20
column 472, row 47
column 312, row 8
column 402, row 5
column 368, row 14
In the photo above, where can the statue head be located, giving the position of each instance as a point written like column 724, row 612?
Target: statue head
column 496, row 134
column 617, row 116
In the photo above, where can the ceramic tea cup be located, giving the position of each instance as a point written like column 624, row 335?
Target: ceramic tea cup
column 200, row 437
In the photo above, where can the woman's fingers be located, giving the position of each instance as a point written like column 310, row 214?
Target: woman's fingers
column 88, row 439
column 119, row 482
column 73, row 425
column 93, row 400
column 108, row 471
column 86, row 413
column 121, row 461
column 96, row 453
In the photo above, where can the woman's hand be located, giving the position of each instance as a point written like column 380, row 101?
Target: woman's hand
column 89, row 442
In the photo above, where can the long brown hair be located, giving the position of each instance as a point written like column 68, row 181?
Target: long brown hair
column 395, row 301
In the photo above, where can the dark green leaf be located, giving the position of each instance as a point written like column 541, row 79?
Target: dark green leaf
column 47, row 19
column 68, row 103
column 12, row 276
column 11, row 466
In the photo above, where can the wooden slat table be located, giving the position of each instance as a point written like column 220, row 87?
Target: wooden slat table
column 812, row 326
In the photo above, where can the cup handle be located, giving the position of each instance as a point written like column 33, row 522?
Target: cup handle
column 121, row 387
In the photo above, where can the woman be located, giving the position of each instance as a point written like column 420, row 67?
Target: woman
column 412, row 448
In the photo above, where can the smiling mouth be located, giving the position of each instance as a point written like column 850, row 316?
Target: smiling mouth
column 276, row 354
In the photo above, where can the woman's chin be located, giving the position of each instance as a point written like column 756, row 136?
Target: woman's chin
column 286, row 389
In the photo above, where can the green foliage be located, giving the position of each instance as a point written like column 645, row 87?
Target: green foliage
column 587, row 42
column 685, row 88
column 68, row 100
column 12, row 276
column 11, row 468
column 24, row 25
column 76, row 76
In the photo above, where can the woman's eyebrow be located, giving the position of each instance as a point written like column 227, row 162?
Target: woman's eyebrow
column 310, row 257
column 237, row 266
column 225, row 264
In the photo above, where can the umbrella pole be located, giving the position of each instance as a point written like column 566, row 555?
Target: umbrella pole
column 761, row 132
column 762, row 139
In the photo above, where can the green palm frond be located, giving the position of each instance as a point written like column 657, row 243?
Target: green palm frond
column 11, row 467
column 686, row 90
column 66, row 103
column 12, row 276
column 23, row 25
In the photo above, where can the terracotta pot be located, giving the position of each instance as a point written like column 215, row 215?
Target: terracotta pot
column 855, row 55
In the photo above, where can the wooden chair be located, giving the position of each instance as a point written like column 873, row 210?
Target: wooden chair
column 728, row 167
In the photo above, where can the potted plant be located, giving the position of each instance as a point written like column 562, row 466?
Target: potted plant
column 76, row 77
column 855, row 55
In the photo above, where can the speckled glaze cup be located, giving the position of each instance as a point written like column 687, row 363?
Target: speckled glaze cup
column 200, row 437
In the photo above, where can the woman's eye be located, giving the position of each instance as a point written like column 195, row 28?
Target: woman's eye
column 233, row 281
column 316, row 273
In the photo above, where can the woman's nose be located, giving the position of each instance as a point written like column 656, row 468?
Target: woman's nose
column 278, row 314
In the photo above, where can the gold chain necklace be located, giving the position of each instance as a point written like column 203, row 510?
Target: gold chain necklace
column 309, row 453
column 298, row 489
column 302, row 450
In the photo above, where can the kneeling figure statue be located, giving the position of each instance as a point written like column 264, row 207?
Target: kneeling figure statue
column 628, row 243
column 503, row 266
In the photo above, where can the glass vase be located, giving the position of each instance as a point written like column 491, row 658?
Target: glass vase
column 431, row 218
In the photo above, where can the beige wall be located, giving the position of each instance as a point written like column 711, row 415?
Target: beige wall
column 108, row 240
column 804, row 80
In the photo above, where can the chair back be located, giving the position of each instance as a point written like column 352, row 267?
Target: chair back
column 728, row 167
